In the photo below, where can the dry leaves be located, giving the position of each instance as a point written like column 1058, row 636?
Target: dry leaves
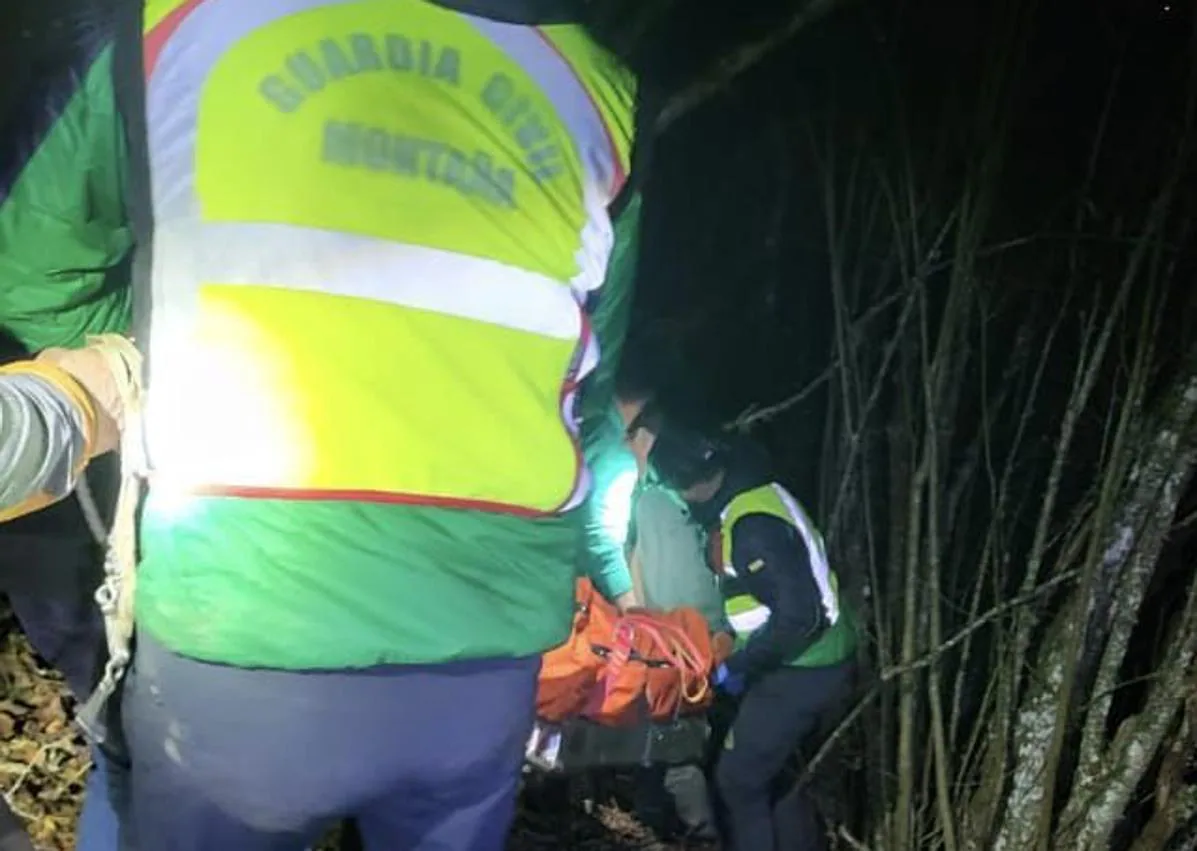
column 43, row 760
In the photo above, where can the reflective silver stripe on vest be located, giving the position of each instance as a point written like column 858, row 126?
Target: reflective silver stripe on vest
column 750, row 620
column 816, row 554
column 314, row 260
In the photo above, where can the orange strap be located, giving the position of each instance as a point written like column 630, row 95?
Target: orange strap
column 671, row 641
column 678, row 648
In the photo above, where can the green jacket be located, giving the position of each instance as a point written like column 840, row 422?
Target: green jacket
column 432, row 585
column 63, row 233
column 608, row 459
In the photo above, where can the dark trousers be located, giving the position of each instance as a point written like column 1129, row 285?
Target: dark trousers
column 66, row 631
column 425, row 758
column 775, row 715
column 12, row 833
column 50, row 568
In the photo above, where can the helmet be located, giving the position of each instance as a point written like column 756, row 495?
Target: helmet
column 683, row 457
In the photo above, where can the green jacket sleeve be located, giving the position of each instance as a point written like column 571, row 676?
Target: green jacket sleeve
column 612, row 470
column 609, row 317
column 63, row 234
column 602, row 436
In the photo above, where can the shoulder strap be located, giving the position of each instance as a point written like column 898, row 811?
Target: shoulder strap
column 128, row 85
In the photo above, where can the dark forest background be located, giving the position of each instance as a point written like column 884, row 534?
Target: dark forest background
column 939, row 258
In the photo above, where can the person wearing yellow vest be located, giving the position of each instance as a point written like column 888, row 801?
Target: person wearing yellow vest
column 382, row 270
column 793, row 661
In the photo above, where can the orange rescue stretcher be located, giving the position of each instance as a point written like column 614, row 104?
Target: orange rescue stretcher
column 623, row 690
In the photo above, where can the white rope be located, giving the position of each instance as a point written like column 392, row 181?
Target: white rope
column 91, row 511
column 115, row 594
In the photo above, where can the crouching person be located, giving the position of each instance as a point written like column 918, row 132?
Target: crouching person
column 666, row 566
column 795, row 640
column 666, row 561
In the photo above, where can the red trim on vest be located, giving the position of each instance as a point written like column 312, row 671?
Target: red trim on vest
column 573, row 384
column 156, row 38
column 392, row 498
column 371, row 496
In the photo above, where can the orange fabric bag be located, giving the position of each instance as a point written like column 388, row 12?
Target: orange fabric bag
column 568, row 673
column 623, row 669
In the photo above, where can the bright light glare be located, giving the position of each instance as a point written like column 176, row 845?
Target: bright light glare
column 617, row 506
column 217, row 412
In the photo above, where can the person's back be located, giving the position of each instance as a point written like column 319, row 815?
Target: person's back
column 379, row 233
column 374, row 224
column 370, row 242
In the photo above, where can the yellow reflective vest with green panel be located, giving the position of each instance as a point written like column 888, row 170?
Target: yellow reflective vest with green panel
column 748, row 614
column 387, row 290
column 380, row 231
column 375, row 226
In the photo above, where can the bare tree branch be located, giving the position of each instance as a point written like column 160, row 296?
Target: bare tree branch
column 740, row 60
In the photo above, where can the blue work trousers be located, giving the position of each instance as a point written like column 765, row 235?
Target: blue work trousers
column 98, row 828
column 776, row 714
column 425, row 758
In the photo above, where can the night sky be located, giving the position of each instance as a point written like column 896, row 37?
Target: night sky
column 735, row 272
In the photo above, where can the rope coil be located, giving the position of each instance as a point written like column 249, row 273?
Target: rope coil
column 673, row 644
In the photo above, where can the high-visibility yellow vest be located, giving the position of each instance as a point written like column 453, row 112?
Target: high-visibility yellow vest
column 747, row 614
column 376, row 225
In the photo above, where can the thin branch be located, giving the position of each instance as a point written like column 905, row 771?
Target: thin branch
column 926, row 660
column 993, row 614
column 753, row 415
column 740, row 60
